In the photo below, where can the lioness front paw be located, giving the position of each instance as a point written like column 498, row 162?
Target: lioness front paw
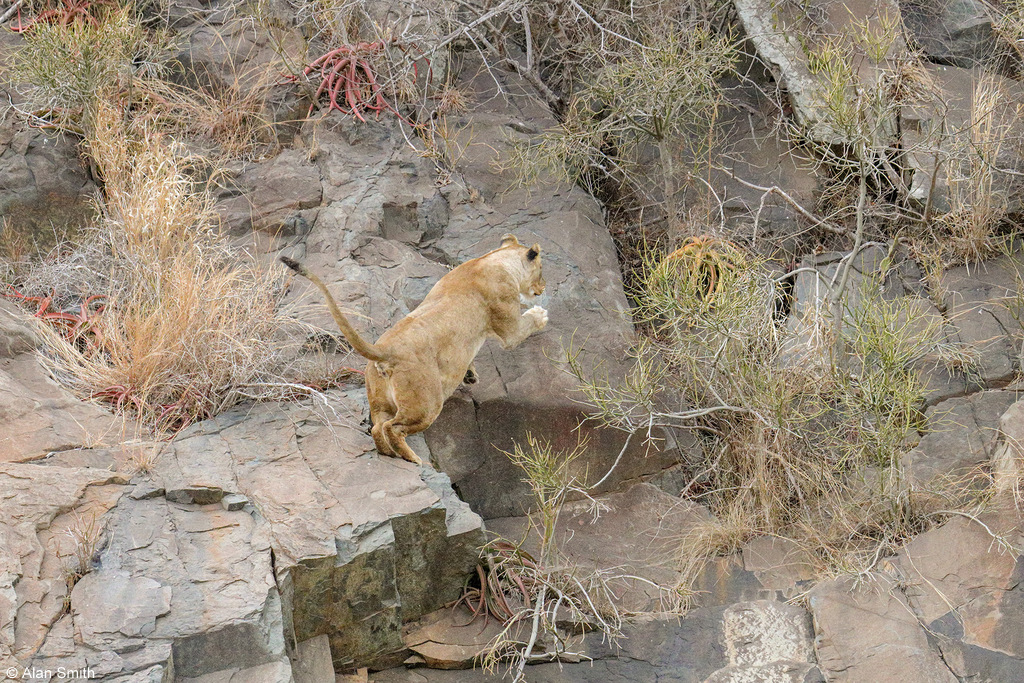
column 539, row 315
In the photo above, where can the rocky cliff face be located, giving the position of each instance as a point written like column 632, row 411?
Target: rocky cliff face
column 273, row 544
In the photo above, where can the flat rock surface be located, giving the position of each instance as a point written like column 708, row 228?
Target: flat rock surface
column 962, row 435
column 38, row 417
column 631, row 534
column 755, row 641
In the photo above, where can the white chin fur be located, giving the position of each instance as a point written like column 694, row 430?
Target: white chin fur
column 529, row 300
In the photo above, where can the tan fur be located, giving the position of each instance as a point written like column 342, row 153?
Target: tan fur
column 419, row 362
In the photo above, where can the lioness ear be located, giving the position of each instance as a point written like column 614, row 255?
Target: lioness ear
column 509, row 240
column 533, row 253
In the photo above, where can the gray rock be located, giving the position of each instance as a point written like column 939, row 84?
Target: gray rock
column 42, row 182
column 271, row 672
column 374, row 545
column 38, row 505
column 312, row 662
column 941, row 132
column 778, row 563
column 966, row 588
column 955, row 32
column 273, row 195
column 38, row 417
column 962, row 435
column 869, row 628
column 452, row 639
column 775, row 33
column 1008, row 458
column 113, row 611
column 16, row 333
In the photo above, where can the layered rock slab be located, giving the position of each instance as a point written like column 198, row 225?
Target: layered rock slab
column 361, row 543
column 256, row 532
column 746, row 641
column 946, row 608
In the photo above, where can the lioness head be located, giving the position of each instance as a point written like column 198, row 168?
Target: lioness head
column 533, row 284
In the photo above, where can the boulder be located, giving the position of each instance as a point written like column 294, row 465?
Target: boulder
column 1008, row 458
column 779, row 564
column 42, row 184
column 265, row 532
column 937, row 133
column 962, row 436
column 957, row 32
column 863, row 628
column 776, row 33
column 272, row 196
column 964, row 584
column 379, row 542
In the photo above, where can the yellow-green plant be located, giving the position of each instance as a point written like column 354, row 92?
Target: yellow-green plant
column 789, row 443
column 532, row 595
column 63, row 68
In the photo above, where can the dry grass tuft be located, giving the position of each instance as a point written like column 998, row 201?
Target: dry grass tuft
column 190, row 327
column 977, row 204
column 232, row 117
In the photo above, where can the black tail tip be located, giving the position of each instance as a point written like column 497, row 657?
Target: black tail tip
column 293, row 264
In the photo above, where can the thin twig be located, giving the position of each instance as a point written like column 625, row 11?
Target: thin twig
column 775, row 189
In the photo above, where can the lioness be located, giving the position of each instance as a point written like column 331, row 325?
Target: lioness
column 420, row 361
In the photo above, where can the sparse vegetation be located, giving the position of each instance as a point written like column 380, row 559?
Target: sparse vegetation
column 188, row 326
column 77, row 550
column 535, row 597
column 662, row 92
column 804, row 431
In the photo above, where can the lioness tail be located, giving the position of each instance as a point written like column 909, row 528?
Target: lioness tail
column 361, row 346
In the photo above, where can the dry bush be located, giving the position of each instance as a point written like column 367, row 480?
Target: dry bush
column 190, row 327
column 232, row 117
column 794, row 445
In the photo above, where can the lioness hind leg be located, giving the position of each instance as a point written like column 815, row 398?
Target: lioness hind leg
column 411, row 420
column 396, row 431
column 381, row 409
column 381, row 441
